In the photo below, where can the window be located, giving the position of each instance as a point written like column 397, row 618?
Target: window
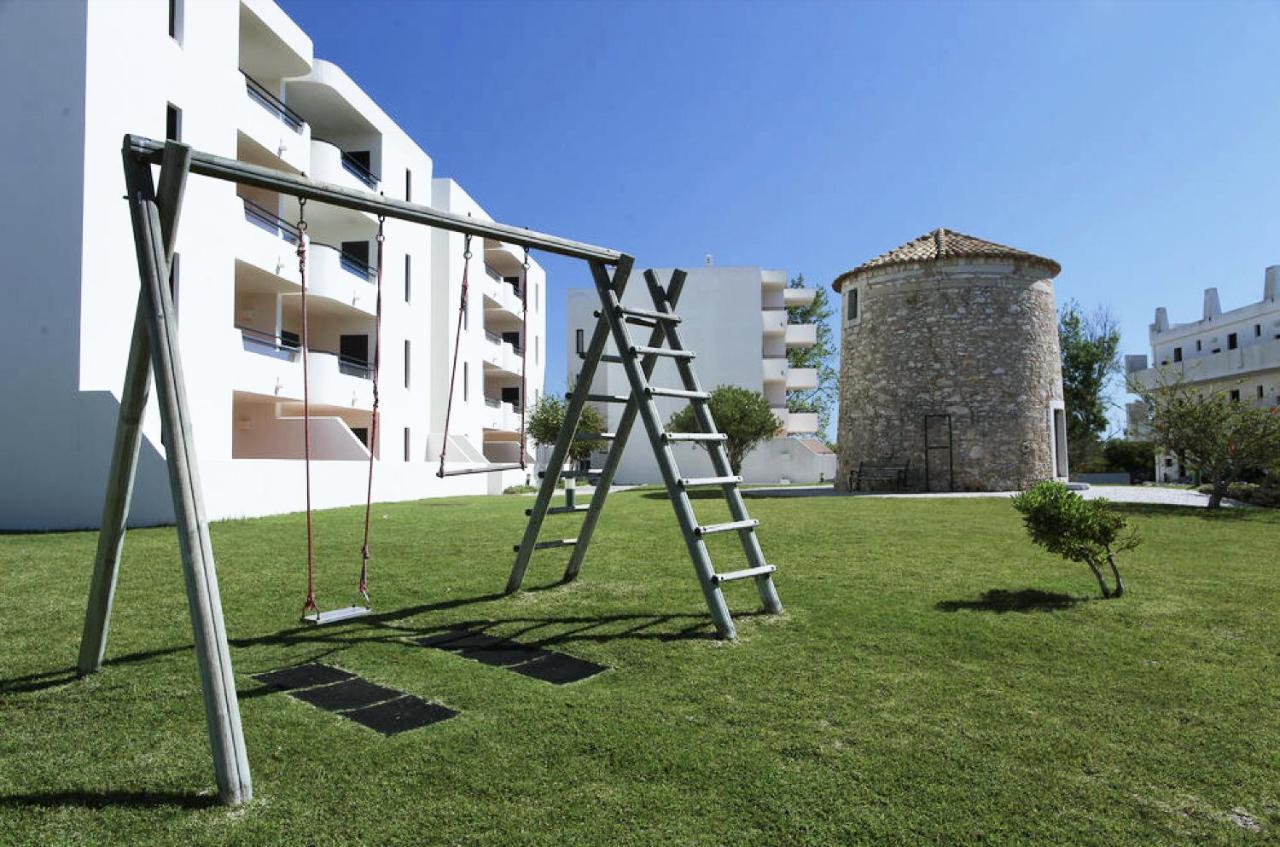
column 408, row 185
column 175, row 20
column 535, row 296
column 1235, row 395
column 1198, row 345
column 466, row 372
column 1177, row 354
column 408, row 277
column 1232, row 341
column 851, row 305
column 172, row 123
column 406, row 444
column 536, row 346
column 406, row 363
column 580, row 342
column 361, row 433
column 1260, row 392
column 1257, row 330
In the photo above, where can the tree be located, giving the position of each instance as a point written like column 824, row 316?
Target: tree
column 743, row 415
column 1078, row 530
column 547, row 419
column 1090, row 348
column 821, row 356
column 1221, row 438
column 1137, row 458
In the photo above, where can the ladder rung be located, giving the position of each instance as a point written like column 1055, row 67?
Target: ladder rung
column 678, row 392
column 559, row 510
column 662, row 351
column 576, row 474
column 648, row 315
column 712, row 529
column 592, row 436
column 608, row 398
column 547, row 545
column 695, row 436
column 748, row 573
column 710, row 480
column 610, row 359
column 646, row 322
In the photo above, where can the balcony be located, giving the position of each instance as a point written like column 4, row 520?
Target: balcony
column 273, row 126
column 272, row 366
column 775, row 370
column 802, row 422
column 269, row 243
column 801, row 379
column 501, row 354
column 501, row 416
column 329, row 163
column 774, row 321
column 500, row 294
column 799, row 296
column 801, row 335
column 1229, row 364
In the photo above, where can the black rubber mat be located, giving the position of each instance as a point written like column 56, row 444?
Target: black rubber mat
column 303, row 676
column 352, row 694
column 558, row 668
column 400, row 715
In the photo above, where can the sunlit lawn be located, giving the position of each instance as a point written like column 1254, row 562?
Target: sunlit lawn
column 935, row 679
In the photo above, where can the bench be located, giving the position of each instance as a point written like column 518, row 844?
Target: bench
column 873, row 471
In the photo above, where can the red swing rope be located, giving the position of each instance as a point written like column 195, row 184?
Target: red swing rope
column 363, row 587
column 310, row 605
column 524, row 351
column 457, row 341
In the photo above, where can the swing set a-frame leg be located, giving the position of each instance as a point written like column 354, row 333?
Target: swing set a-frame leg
column 154, row 228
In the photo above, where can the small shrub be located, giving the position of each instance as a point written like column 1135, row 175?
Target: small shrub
column 1078, row 530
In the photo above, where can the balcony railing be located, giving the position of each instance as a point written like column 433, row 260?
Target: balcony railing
column 263, row 217
column 513, row 281
column 493, row 402
column 352, row 166
column 356, row 266
column 286, row 349
column 259, row 94
column 492, row 337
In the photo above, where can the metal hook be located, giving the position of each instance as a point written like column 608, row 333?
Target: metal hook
column 466, row 250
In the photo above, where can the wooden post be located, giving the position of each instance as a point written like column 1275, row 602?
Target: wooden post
column 213, row 658
column 128, row 438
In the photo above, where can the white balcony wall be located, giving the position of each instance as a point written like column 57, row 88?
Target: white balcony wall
column 801, row 335
column 802, row 379
column 268, row 128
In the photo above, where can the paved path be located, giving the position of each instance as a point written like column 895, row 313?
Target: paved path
column 1114, row 493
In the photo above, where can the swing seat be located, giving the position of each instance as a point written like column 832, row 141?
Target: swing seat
column 485, row 469
column 336, row 615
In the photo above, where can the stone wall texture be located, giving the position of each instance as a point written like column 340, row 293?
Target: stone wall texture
column 976, row 339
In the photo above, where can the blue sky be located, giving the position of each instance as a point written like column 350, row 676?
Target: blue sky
column 1136, row 143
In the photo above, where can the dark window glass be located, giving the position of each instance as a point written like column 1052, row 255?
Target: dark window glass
column 172, row 123
column 580, row 342
column 408, row 277
column 1232, row 341
column 408, row 184
column 1177, row 354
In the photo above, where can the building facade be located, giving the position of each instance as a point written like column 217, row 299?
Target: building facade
column 237, row 78
column 950, row 365
column 1235, row 353
column 735, row 320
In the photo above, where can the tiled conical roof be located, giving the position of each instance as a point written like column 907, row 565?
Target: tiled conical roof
column 944, row 244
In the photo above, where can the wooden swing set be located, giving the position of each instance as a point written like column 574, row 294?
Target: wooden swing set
column 155, row 211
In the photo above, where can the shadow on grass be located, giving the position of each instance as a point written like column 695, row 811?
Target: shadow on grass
column 107, row 799
column 999, row 600
column 1234, row 513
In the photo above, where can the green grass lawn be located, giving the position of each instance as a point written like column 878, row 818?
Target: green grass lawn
column 934, row 680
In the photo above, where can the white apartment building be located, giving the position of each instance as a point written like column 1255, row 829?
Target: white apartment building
column 236, row 78
column 1236, row 353
column 735, row 320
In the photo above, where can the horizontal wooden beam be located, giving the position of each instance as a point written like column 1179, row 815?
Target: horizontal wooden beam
column 232, row 170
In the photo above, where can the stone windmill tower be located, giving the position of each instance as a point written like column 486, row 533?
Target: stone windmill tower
column 949, row 362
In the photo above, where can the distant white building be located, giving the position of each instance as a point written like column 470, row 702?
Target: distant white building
column 735, row 320
column 236, row 78
column 1236, row 353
